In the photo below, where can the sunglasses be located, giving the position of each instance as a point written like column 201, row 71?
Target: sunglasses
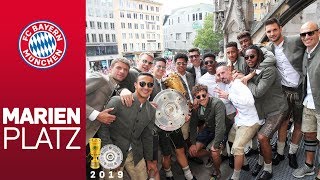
column 194, row 56
column 143, row 84
column 310, row 33
column 209, row 62
column 250, row 57
column 146, row 62
column 203, row 96
column 181, row 63
column 161, row 67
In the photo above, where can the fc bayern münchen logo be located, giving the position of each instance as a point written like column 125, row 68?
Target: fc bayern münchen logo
column 42, row 44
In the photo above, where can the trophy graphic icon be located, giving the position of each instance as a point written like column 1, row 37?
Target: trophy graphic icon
column 95, row 146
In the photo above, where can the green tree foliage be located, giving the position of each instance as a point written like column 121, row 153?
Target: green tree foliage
column 206, row 38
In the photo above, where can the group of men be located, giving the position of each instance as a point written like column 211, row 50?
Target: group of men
column 248, row 99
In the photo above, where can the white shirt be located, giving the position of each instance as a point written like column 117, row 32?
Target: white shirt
column 308, row 100
column 289, row 76
column 184, row 77
column 198, row 73
column 242, row 99
column 159, row 81
column 210, row 81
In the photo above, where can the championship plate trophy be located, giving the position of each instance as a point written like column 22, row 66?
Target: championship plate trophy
column 111, row 156
column 172, row 104
column 95, row 146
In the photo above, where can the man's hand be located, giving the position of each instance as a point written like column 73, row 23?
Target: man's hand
column 193, row 150
column 105, row 116
column 215, row 149
column 195, row 104
column 154, row 104
column 126, row 97
column 221, row 93
column 187, row 118
column 237, row 75
column 152, row 167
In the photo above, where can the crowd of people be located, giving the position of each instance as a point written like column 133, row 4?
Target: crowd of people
column 253, row 95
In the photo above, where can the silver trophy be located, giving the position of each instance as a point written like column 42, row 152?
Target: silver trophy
column 111, row 156
column 171, row 111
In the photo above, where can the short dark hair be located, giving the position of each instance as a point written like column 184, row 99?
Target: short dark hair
column 208, row 55
column 144, row 74
column 199, row 87
column 272, row 21
column 260, row 57
column 194, row 49
column 232, row 44
column 180, row 55
column 159, row 59
column 221, row 64
column 244, row 34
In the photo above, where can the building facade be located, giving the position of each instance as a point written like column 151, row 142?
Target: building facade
column 180, row 28
column 101, row 40
column 138, row 27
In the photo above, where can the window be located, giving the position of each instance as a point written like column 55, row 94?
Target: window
column 193, row 17
column 188, row 35
column 130, row 36
column 137, row 46
column 100, row 37
column 158, row 27
column 152, row 18
column 131, row 46
column 94, row 38
column 142, row 36
column 122, row 14
column 148, row 36
column 178, row 19
column 153, row 36
column 137, row 35
column 107, row 38
column 143, row 46
column 136, row 26
column 135, row 16
column 124, row 35
column 111, row 15
column 200, row 16
column 159, row 46
column 152, row 8
column 153, row 27
column 128, row 15
column 99, row 25
column 113, row 36
column 125, row 48
column 87, row 38
column 123, row 25
column 188, row 17
column 148, row 47
column 92, row 26
column 157, row 9
column 141, row 16
column 106, row 25
column 129, row 26
column 147, row 17
column 157, row 18
column 112, row 26
column 178, row 36
column 141, row 26
column 140, row 6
